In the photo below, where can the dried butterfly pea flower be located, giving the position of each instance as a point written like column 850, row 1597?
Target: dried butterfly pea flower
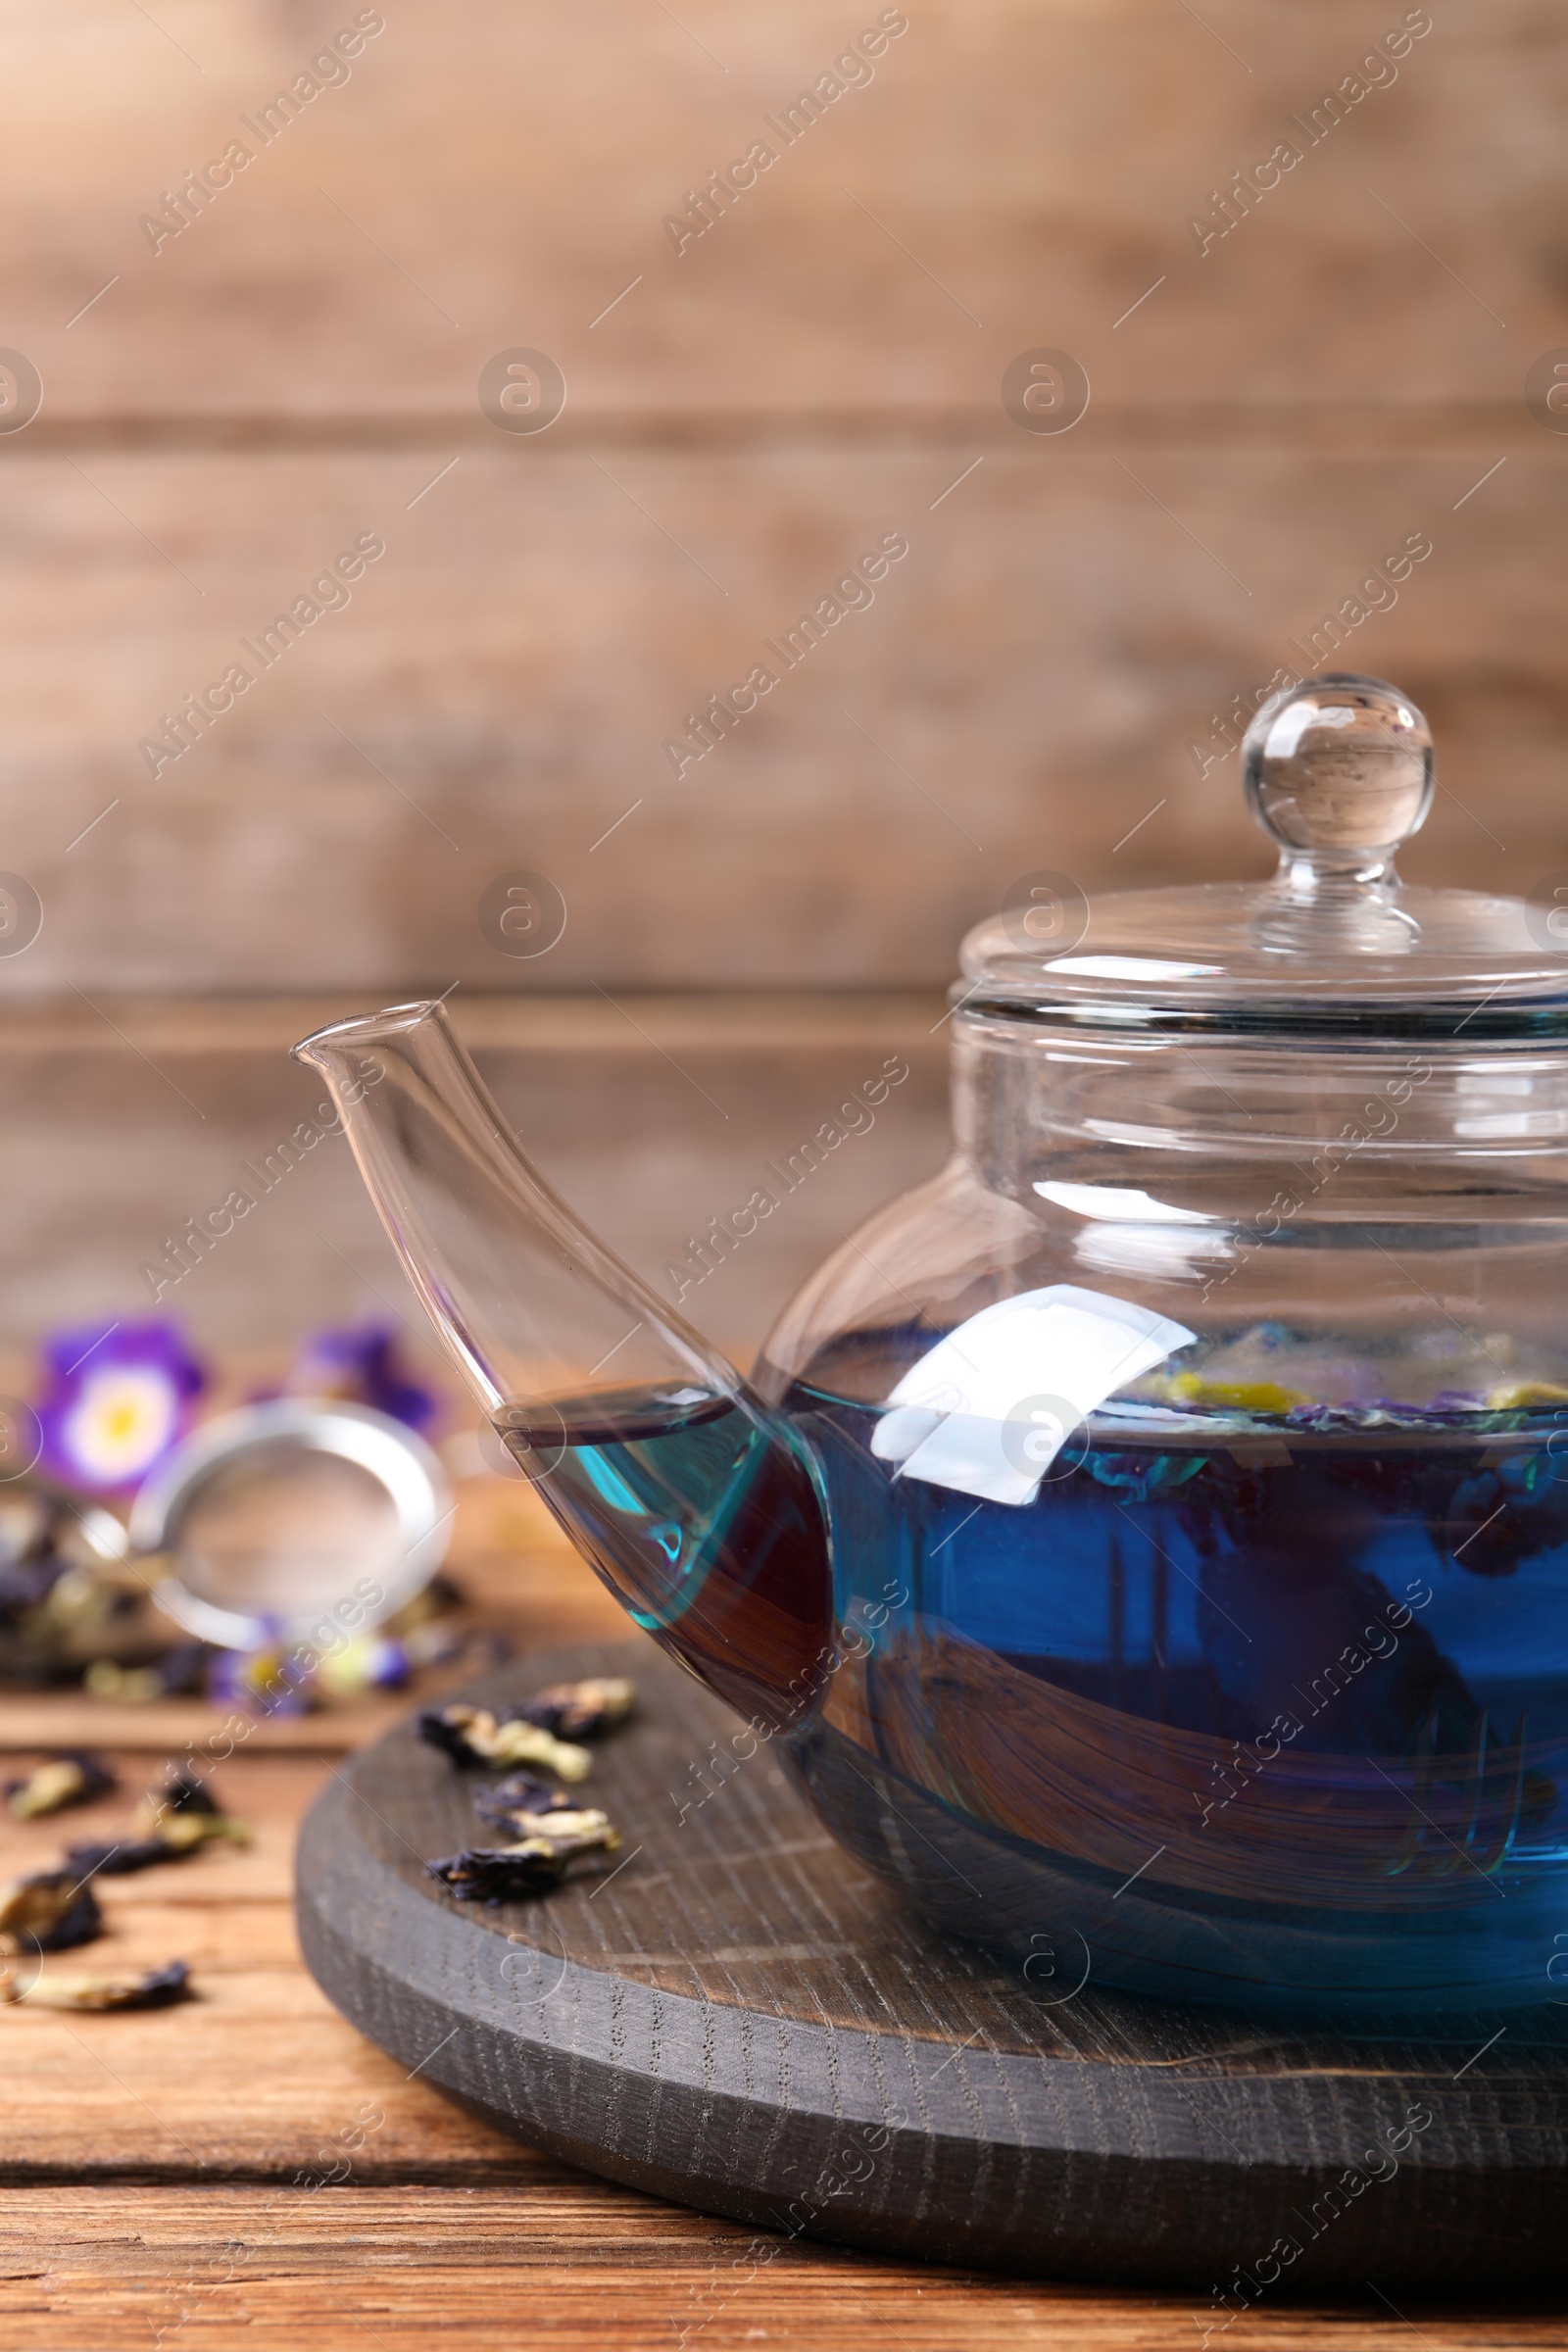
column 181, row 1815
column 560, row 1828
column 447, row 1727
column 187, row 1790
column 501, row 1874
column 532, row 1866
column 180, row 1671
column 119, row 1861
column 183, row 1832
column 155, row 1990
column 51, row 1911
column 168, row 1823
column 582, row 1711
column 474, row 1735
column 179, row 1838
column 72, row 1777
column 182, row 1791
column 520, row 1792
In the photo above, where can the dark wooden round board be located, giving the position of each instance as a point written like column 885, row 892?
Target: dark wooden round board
column 732, row 2013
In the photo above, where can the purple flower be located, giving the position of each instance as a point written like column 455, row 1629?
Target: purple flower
column 262, row 1682
column 360, row 1367
column 277, row 1681
column 121, row 1395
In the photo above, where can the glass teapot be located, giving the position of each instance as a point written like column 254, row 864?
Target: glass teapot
column 1148, row 1540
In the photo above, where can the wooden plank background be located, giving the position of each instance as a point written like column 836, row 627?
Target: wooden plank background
column 650, row 1116
column 301, row 361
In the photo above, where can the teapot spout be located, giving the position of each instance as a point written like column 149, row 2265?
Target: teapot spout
column 695, row 1501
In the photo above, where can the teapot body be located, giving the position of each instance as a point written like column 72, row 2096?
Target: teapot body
column 1148, row 1540
column 1195, row 1460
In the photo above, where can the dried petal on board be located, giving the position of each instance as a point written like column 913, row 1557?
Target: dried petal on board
column 157, row 1989
column 580, row 1829
column 75, row 1777
column 532, row 1866
column 520, row 1792
column 51, row 1911
column 474, row 1735
column 583, row 1710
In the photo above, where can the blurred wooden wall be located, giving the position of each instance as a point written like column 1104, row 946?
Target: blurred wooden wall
column 298, row 368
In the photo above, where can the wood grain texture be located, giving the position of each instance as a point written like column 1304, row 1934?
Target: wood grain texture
column 1033, row 158
column 95, row 2099
column 734, row 2014
column 572, row 1026
column 568, row 2261
column 1024, row 692
column 254, row 2076
column 648, row 1125
column 301, row 363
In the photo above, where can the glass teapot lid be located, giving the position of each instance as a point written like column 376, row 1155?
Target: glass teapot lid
column 1339, row 771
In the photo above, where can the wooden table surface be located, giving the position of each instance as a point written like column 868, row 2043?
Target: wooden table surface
column 165, row 2170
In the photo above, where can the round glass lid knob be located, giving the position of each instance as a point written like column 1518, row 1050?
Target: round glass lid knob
column 1340, row 771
